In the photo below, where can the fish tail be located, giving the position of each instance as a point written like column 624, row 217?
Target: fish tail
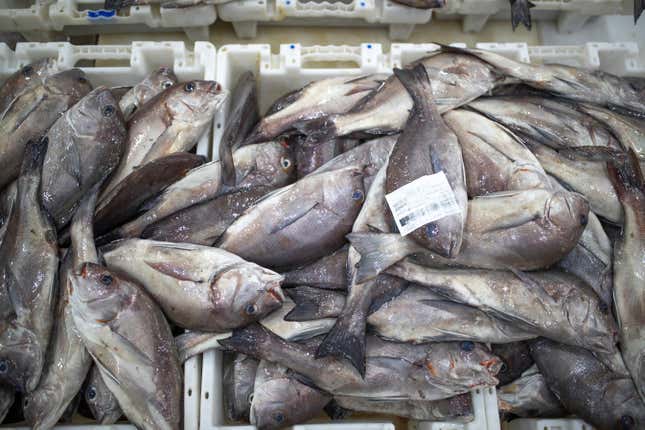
column 248, row 340
column 627, row 177
column 417, row 84
column 378, row 252
column 346, row 340
column 319, row 129
column 521, row 13
column 335, row 411
column 34, row 155
column 639, row 5
column 307, row 304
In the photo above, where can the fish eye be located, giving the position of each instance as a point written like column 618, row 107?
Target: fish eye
column 503, row 368
column 285, row 162
column 467, row 346
column 4, row 366
column 106, row 279
column 27, row 71
column 189, row 87
column 250, row 309
column 584, row 219
column 25, row 403
column 108, row 110
column 166, row 84
column 627, row 422
column 357, row 195
column 278, row 417
column 250, row 398
column 82, row 79
column 91, row 393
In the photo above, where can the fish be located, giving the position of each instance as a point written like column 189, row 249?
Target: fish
column 198, row 287
column 314, row 303
column 67, row 362
column 639, row 5
column 329, row 272
column 454, row 409
column 495, row 159
column 28, row 269
column 317, row 98
column 423, row 4
column 529, row 397
column 456, row 80
column 157, row 81
column 25, row 77
column 393, row 371
column 588, row 389
column 629, row 270
column 270, row 164
column 629, row 131
column 425, row 147
column 524, row 230
column 7, row 201
column 7, row 399
column 280, row 400
column 521, row 13
column 32, row 112
column 170, row 122
column 243, row 115
column 102, row 403
column 131, row 344
column 557, row 305
column 330, row 201
column 85, row 145
column 120, row 4
column 516, row 357
column 126, row 200
column 239, row 378
column 310, row 155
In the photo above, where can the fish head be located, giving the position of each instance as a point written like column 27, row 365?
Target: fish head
column 194, row 100
column 98, row 114
column 158, row 81
column 567, row 210
column 466, row 363
column 72, row 82
column 593, row 317
column 247, row 292
column 101, row 401
column 37, row 405
column 274, row 164
column 34, row 71
column 21, row 357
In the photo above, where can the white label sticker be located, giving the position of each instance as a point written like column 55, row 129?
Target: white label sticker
column 423, row 200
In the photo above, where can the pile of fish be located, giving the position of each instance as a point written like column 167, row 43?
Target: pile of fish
column 383, row 244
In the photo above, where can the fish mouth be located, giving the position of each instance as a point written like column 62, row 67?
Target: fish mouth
column 276, row 294
column 493, row 365
column 214, row 88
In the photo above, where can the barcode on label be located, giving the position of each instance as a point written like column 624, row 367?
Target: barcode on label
column 423, row 200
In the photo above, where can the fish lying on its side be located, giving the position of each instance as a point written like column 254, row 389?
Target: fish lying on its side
column 157, row 81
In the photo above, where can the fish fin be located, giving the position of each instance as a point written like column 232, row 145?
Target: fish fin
column 190, row 344
column 521, row 13
column 34, row 155
column 627, row 178
column 247, row 340
column 387, row 296
column 306, row 308
column 346, row 340
column 639, row 5
column 293, row 218
column 168, row 269
column 336, row 412
column 320, row 129
column 592, row 153
column 416, row 83
column 378, row 252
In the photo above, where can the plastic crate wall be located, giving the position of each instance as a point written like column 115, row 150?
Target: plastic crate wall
column 138, row 59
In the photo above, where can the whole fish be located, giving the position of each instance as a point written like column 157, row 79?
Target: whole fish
column 125, row 200
column 24, row 78
column 330, row 201
column 629, row 131
column 7, row 398
column 554, row 304
column 156, row 82
column 516, row 357
column 425, row 147
column 85, row 145
column 454, row 409
column 239, row 378
column 264, row 164
column 440, row 370
column 525, row 230
column 199, row 184
column 629, row 270
column 318, row 98
column 242, row 116
column 521, row 13
column 529, row 397
column 131, row 344
column 330, row 272
column 32, row 112
column 28, row 268
column 172, row 121
column 587, row 388
column 456, row 80
column 67, row 362
column 198, row 287
column 102, row 403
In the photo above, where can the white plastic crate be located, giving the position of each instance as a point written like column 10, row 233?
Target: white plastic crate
column 25, row 17
column 139, row 58
column 247, row 14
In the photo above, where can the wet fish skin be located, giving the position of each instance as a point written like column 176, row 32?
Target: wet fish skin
column 32, row 113
column 529, row 397
column 198, row 287
column 28, row 269
column 157, row 81
column 314, row 303
column 239, row 377
column 264, row 164
column 7, row 200
column 139, row 364
column 7, row 398
column 329, row 272
column 125, row 200
column 629, row 131
column 587, row 388
column 170, row 122
column 311, row 154
column 330, row 201
column 102, row 403
column 516, row 357
column 24, row 78
column 85, row 145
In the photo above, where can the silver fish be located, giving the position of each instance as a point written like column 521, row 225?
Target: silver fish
column 102, row 403
column 239, row 378
column 198, row 287
column 629, row 131
column 7, row 201
column 330, row 272
column 156, row 82
column 24, row 78
column 269, row 164
column 529, row 397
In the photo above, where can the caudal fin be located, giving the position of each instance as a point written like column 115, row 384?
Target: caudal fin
column 346, row 340
column 627, row 178
column 34, row 155
column 416, row 82
column 378, row 252
column 521, row 13
column 639, row 5
column 312, row 303
column 247, row 340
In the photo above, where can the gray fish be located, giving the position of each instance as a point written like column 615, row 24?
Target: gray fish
column 521, row 13
column 454, row 409
column 529, row 397
column 7, row 201
column 67, row 362
column 198, row 287
column 629, row 131
column 28, row 268
column 629, row 270
column 427, row 146
column 156, row 82
column 102, row 403
column 318, row 98
column 125, row 200
column 239, row 378
column 131, row 343
column 7, row 398
column 330, row 272
column 587, row 388
column 516, row 357
column 85, row 145
column 172, row 121
column 314, row 303
column 554, row 304
column 310, row 154
column 276, row 231
column 393, row 371
column 263, row 164
column 32, row 112
column 24, row 78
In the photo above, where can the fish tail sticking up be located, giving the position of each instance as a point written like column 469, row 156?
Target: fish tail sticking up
column 627, row 177
column 346, row 340
column 247, row 340
column 521, row 13
column 639, row 5
column 416, row 82
column 378, row 252
column 306, row 308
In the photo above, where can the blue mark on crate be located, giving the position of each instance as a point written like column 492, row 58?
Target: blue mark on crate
column 101, row 14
